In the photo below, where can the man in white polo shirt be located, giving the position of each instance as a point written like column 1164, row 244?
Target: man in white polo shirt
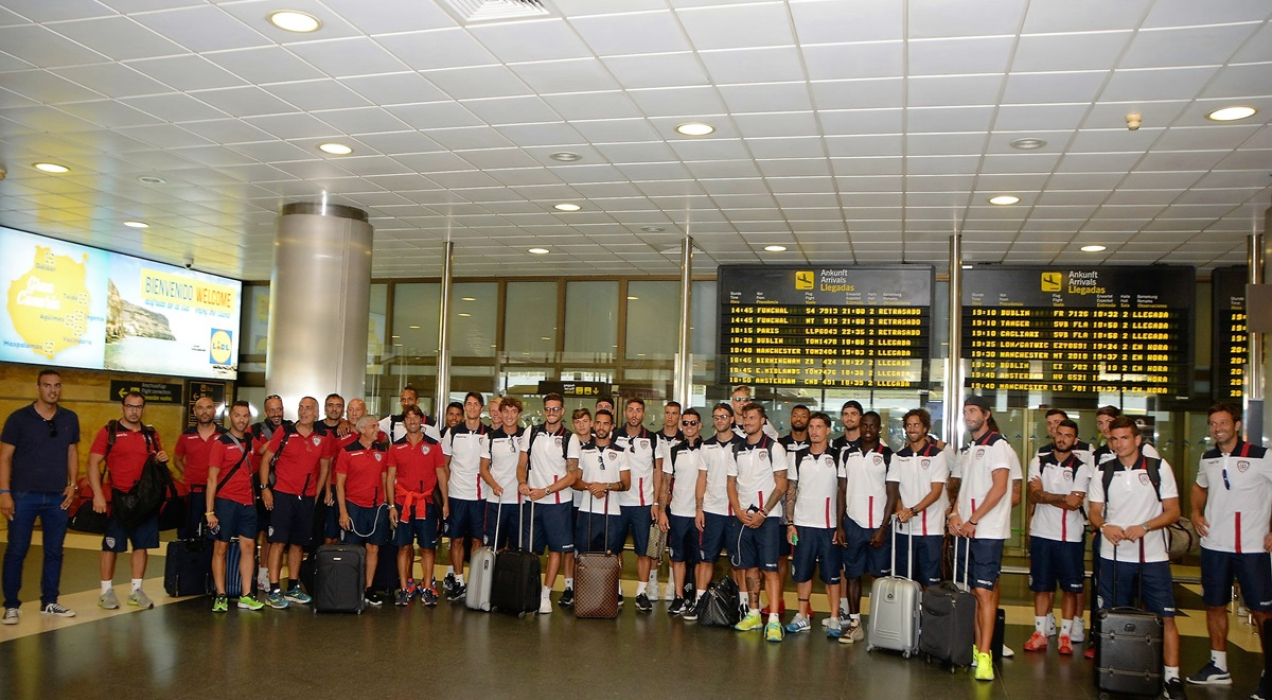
column 499, row 472
column 1133, row 499
column 1231, row 505
column 463, row 446
column 549, row 460
column 603, row 469
column 1058, row 483
column 637, row 505
column 920, row 470
column 757, row 484
column 714, row 517
column 982, row 514
column 870, row 500
column 815, row 509
column 677, row 506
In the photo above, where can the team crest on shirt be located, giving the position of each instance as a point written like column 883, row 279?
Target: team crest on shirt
column 878, row 459
column 425, row 449
column 980, row 452
column 1068, row 474
column 377, row 456
column 1143, row 477
column 1243, row 466
column 556, row 440
column 763, row 455
column 317, row 440
column 925, row 463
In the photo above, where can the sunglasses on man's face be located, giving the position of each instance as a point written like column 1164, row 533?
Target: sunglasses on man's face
column 688, row 423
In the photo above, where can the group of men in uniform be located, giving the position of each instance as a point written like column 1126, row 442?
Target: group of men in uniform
column 778, row 505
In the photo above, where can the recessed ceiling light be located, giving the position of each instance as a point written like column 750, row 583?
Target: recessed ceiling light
column 136, row 224
column 52, row 168
column 967, row 267
column 544, row 337
column 652, row 229
column 415, row 328
column 633, row 298
column 566, row 206
column 1004, row 200
column 465, row 315
column 1093, row 248
column 539, row 251
column 335, row 149
column 695, row 129
column 1231, row 114
column 566, row 157
column 775, row 248
column 293, row 21
column 151, row 180
column 468, row 298
column 1029, row 144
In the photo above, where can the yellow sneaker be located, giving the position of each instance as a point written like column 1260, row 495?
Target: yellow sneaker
column 984, row 667
column 752, row 621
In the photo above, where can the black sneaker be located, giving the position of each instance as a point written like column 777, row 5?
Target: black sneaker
column 372, row 599
column 1174, row 690
column 1261, row 692
column 643, row 604
column 691, row 612
column 677, row 606
column 458, row 592
column 620, row 599
column 448, row 584
column 567, row 598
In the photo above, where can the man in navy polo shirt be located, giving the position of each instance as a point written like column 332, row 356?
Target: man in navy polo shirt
column 39, row 459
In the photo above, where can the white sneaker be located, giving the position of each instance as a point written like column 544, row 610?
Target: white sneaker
column 10, row 616
column 1051, row 625
column 1077, row 634
column 653, row 589
column 545, row 606
column 1009, row 654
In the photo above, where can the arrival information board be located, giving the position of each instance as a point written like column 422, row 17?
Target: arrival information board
column 1079, row 330
column 1229, row 348
column 812, row 326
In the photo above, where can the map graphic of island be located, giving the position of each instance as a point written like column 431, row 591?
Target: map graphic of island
column 49, row 304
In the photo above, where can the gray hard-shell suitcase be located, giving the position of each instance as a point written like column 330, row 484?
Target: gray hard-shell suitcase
column 481, row 571
column 895, row 604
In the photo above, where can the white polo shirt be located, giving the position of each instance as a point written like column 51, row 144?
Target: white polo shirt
column 465, row 448
column 754, row 466
column 1132, row 500
column 395, row 428
column 640, row 460
column 683, row 462
column 504, row 452
column 867, row 474
column 604, row 465
column 978, row 461
column 914, row 473
column 818, row 476
column 663, row 444
column 1238, row 498
column 546, row 463
column 716, row 458
column 1073, row 475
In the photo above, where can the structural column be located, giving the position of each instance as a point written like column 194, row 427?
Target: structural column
column 1258, row 422
column 682, row 381
column 319, row 303
column 952, row 412
column 443, row 332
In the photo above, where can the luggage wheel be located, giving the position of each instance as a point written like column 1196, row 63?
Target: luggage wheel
column 869, row 648
column 905, row 654
column 521, row 615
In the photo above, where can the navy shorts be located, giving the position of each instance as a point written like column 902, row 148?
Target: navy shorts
column 986, row 562
column 331, row 519
column 369, row 525
column 927, row 558
column 234, row 520
column 292, row 520
column 682, row 539
column 816, row 548
column 415, row 530
column 1252, row 571
column 554, row 525
column 500, row 523
column 638, row 520
column 784, row 547
column 1153, row 579
column 860, row 558
column 757, row 548
column 1052, row 563
column 117, row 537
column 715, row 531
column 598, row 542
column 465, row 519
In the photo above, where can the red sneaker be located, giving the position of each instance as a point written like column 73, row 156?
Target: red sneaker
column 1066, row 646
column 1037, row 642
column 781, row 609
column 1089, row 653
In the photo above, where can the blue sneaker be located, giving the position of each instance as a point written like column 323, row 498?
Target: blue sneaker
column 1210, row 674
column 798, row 624
column 276, row 601
column 295, row 595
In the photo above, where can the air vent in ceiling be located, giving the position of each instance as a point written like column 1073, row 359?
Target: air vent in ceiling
column 468, row 11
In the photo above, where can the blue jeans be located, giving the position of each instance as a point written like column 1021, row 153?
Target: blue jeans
column 29, row 505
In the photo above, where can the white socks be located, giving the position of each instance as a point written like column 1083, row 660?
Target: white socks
column 545, row 593
column 1219, row 659
column 843, row 604
column 1171, row 674
column 459, row 579
column 641, row 587
column 450, row 571
column 569, row 583
column 773, row 616
column 1040, row 624
column 698, row 595
column 107, row 585
column 1066, row 628
column 743, row 598
column 136, row 585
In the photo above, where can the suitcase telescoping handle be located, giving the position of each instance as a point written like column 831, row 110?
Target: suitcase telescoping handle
column 521, row 524
column 591, row 503
column 909, row 559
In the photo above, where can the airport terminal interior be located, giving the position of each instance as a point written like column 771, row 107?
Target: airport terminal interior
column 896, row 202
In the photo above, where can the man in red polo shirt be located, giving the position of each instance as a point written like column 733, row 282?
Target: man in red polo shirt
column 230, row 506
column 191, row 459
column 415, row 470
column 302, row 469
column 132, row 445
column 361, row 489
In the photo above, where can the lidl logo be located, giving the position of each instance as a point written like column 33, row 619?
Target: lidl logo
column 805, row 279
column 1052, row 281
column 219, row 347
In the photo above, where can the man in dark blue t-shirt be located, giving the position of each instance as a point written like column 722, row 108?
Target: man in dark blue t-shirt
column 39, row 460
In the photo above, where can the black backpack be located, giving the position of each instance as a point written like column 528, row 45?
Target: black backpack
column 141, row 502
column 718, row 606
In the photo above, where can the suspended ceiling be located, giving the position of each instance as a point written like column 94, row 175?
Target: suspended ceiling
column 846, row 131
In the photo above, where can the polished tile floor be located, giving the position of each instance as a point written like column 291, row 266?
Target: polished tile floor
column 181, row 650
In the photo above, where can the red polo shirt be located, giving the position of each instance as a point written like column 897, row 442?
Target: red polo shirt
column 127, row 456
column 299, row 463
column 196, row 452
column 224, row 453
column 364, row 469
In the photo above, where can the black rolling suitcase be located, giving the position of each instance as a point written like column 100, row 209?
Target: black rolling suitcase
column 340, row 576
column 947, row 620
column 187, row 568
column 514, row 586
column 1128, row 650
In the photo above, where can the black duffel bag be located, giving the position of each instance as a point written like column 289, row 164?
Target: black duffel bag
column 141, row 502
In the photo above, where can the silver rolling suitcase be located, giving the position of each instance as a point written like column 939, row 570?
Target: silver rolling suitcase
column 895, row 604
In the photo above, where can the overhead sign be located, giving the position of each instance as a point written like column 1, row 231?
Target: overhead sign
column 1229, row 334
column 153, row 392
column 575, row 389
